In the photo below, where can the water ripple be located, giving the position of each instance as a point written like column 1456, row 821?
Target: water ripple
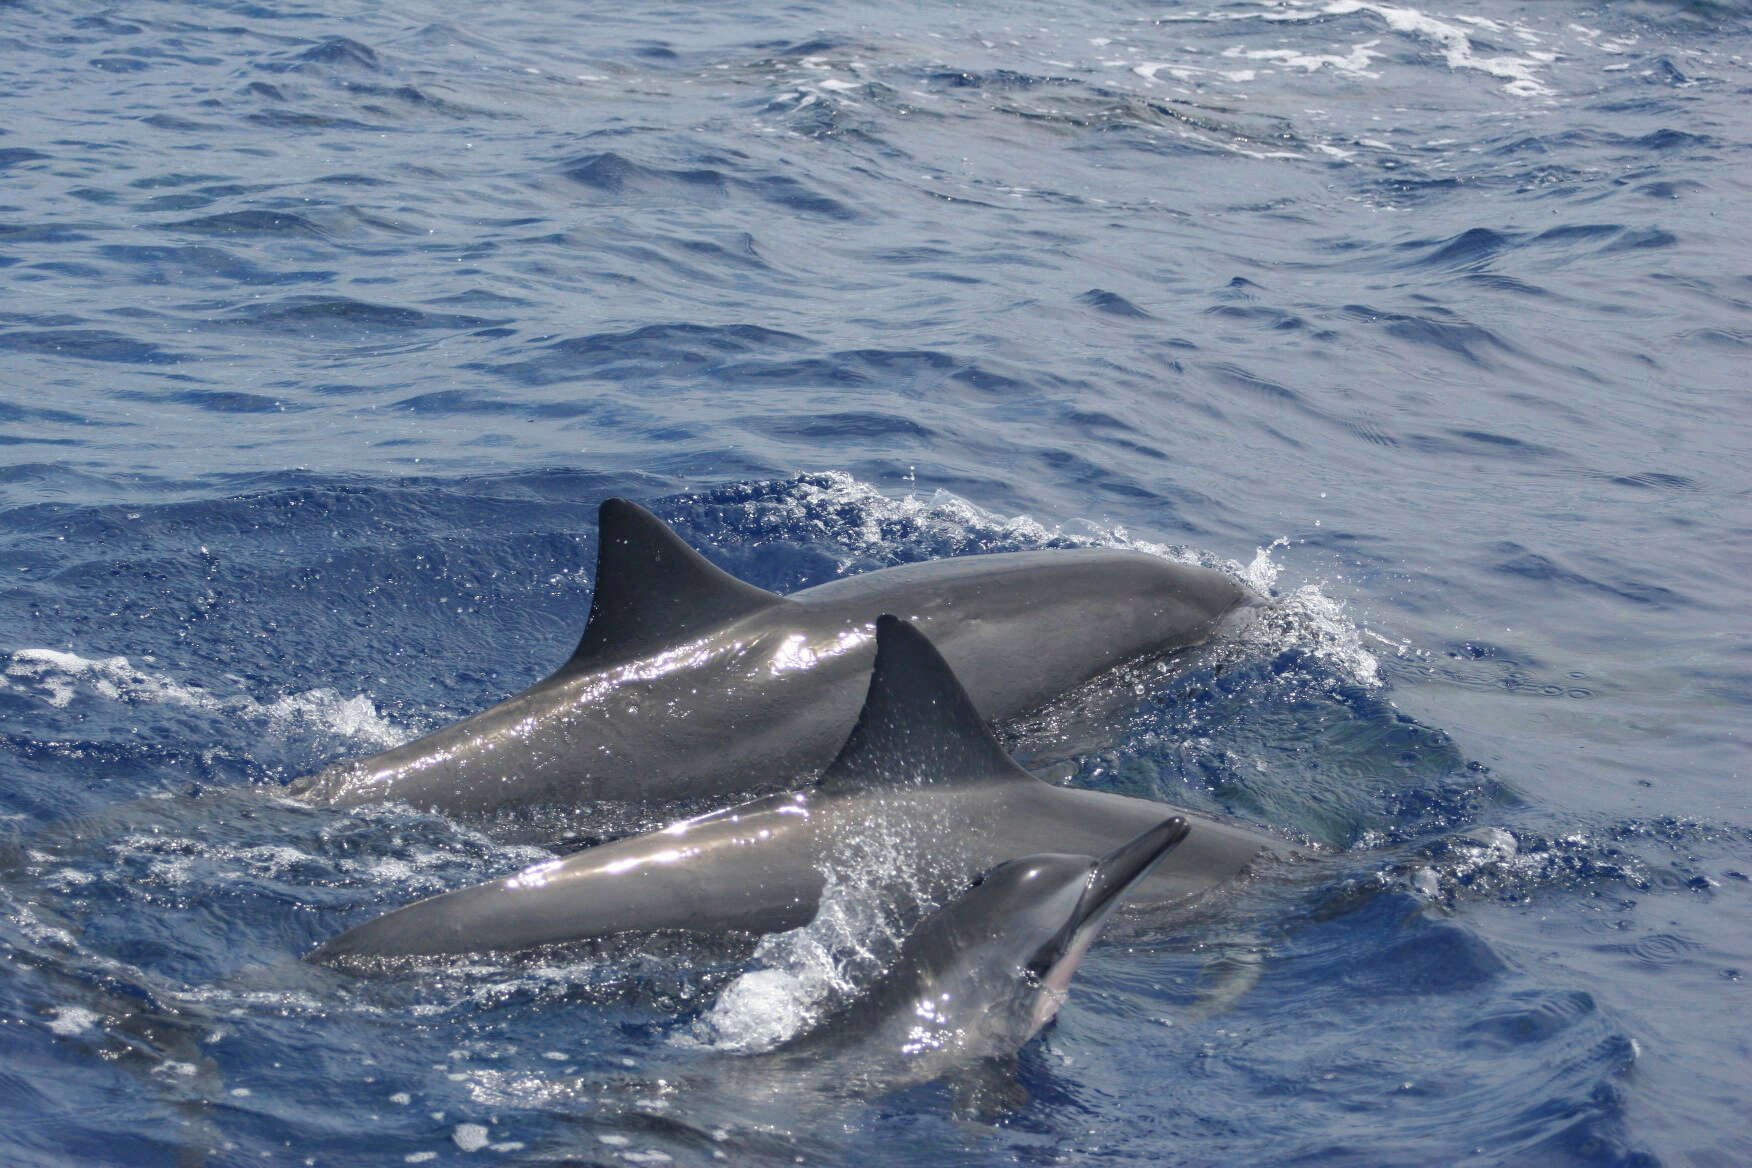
column 332, row 324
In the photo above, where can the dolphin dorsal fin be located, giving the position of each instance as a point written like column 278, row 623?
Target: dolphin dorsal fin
column 653, row 590
column 918, row 725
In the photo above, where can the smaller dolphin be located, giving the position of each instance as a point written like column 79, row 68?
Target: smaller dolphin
column 690, row 684
column 921, row 786
column 977, row 978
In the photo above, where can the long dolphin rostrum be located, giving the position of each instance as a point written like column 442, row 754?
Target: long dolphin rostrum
column 921, row 798
column 691, row 684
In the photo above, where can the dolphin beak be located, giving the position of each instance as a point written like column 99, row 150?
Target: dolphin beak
column 1125, row 866
column 1112, row 876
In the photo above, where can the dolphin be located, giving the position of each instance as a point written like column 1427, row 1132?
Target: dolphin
column 689, row 684
column 968, row 987
column 920, row 799
column 977, row 978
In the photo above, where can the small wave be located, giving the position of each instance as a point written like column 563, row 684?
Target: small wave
column 219, row 401
column 58, row 678
column 164, row 264
column 1438, row 329
column 337, row 317
column 1113, row 304
column 277, row 119
column 1455, row 44
column 676, row 350
column 16, row 154
column 281, row 224
column 342, row 51
column 87, row 345
column 1492, row 862
column 1453, row 40
column 613, row 174
column 618, row 177
column 1307, row 618
column 1470, row 247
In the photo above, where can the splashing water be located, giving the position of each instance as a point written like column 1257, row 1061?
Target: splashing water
column 58, row 678
column 883, row 874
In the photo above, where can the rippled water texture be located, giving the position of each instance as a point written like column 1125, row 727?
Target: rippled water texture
column 328, row 325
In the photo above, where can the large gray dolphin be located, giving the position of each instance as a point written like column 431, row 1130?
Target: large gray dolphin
column 977, row 978
column 690, row 684
column 921, row 795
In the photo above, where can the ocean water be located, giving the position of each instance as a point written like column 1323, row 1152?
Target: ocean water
column 327, row 325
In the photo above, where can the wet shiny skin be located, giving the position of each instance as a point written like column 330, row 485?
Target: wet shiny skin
column 758, row 867
column 766, row 700
column 978, row 977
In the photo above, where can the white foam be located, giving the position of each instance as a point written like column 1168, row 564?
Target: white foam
column 861, row 516
column 71, row 1020
column 38, row 931
column 885, row 874
column 176, row 1067
column 1451, row 38
column 1355, row 63
column 1308, row 619
column 57, row 677
column 175, row 860
column 284, row 1002
column 470, row 1137
column 1456, row 46
column 800, row 972
column 1486, row 858
column 1181, row 71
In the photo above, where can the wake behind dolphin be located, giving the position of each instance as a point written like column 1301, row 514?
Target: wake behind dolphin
column 920, row 767
column 691, row 684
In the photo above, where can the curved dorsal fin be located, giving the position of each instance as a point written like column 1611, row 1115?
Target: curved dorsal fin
column 918, row 725
column 653, row 590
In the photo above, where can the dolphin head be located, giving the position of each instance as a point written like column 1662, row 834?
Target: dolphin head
column 1046, row 910
column 1105, row 882
column 1153, row 603
column 986, row 971
column 1096, row 606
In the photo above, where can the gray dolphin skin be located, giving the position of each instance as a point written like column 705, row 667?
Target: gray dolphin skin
column 980, row 976
column 690, row 684
column 921, row 793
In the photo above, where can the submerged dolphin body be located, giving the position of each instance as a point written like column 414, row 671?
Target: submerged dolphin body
column 690, row 684
column 922, row 797
column 977, row 978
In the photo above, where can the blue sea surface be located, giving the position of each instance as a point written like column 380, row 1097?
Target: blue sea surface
column 328, row 324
